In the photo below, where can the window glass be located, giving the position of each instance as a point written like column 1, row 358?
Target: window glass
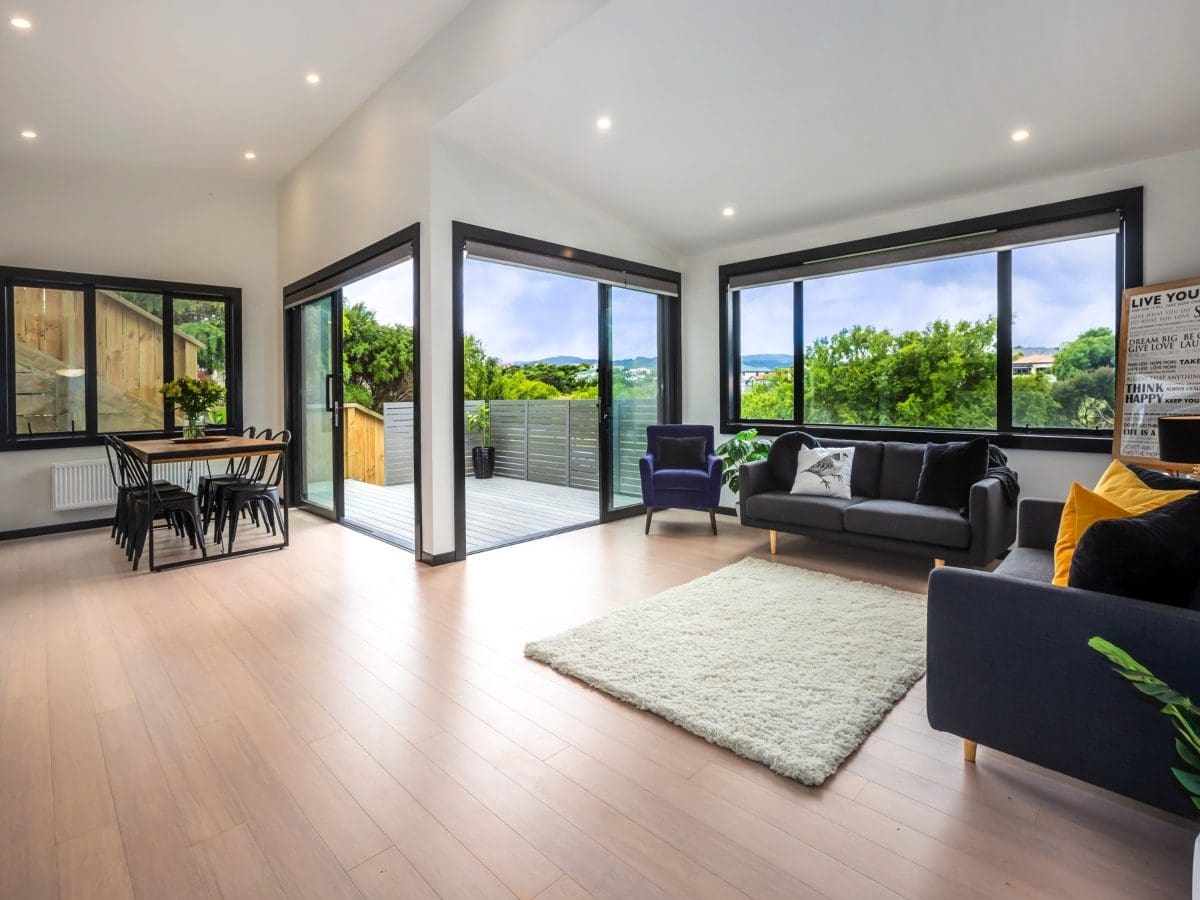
column 129, row 360
column 910, row 346
column 1064, row 346
column 200, row 344
column 50, row 361
column 766, row 351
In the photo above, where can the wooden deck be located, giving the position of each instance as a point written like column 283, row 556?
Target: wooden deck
column 499, row 510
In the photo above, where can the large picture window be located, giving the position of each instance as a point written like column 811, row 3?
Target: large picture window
column 86, row 355
column 1004, row 325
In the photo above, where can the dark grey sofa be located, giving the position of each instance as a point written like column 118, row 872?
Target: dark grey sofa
column 881, row 513
column 1009, row 668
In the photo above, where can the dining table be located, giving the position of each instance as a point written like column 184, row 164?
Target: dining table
column 207, row 449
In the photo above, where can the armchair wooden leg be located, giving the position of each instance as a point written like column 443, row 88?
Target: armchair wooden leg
column 712, row 520
column 969, row 748
column 774, row 540
column 939, row 563
column 649, row 516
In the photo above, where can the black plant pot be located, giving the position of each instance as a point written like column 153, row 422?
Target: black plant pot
column 483, row 460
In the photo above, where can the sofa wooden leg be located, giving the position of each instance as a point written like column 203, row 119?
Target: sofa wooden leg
column 774, row 540
column 712, row 520
column 969, row 748
column 939, row 563
column 649, row 516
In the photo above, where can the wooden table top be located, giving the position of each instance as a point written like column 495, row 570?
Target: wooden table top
column 165, row 449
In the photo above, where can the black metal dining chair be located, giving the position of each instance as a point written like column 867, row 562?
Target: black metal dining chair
column 259, row 498
column 237, row 469
column 123, row 479
column 178, row 507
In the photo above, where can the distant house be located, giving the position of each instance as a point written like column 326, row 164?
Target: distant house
column 1035, row 362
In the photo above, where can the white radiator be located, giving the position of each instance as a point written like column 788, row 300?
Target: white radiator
column 87, row 482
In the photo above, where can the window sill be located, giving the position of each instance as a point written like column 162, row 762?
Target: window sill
column 1077, row 442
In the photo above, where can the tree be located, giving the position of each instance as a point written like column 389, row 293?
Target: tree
column 514, row 384
column 1033, row 403
column 1096, row 348
column 481, row 373
column 770, row 398
column 943, row 376
column 377, row 359
column 1086, row 399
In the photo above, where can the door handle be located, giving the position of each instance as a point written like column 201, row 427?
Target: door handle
column 329, row 392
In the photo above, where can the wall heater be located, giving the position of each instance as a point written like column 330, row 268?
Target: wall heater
column 85, row 483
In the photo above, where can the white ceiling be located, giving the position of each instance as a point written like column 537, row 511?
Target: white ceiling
column 182, row 83
column 798, row 112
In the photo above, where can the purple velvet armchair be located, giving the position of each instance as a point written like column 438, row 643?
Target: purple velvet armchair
column 681, row 488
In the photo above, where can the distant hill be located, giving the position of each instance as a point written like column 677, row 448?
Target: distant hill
column 636, row 362
column 767, row 361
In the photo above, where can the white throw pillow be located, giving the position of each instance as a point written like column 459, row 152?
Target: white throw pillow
column 824, row 471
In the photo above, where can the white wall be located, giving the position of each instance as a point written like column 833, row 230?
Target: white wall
column 385, row 168
column 143, row 224
column 1172, row 250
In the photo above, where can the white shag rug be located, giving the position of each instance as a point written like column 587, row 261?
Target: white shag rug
column 782, row 665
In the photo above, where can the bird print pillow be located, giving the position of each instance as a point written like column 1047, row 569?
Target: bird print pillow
column 824, row 471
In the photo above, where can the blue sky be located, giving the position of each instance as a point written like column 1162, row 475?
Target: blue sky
column 522, row 314
column 1059, row 291
column 388, row 293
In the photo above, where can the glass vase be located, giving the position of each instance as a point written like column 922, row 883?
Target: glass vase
column 194, row 425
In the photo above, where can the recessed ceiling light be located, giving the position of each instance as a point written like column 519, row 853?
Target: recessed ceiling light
column 312, row 78
column 727, row 211
column 29, row 134
column 250, row 154
column 604, row 123
column 20, row 23
column 69, row 373
column 1021, row 134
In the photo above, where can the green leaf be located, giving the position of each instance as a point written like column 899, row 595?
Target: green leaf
column 1187, row 753
column 1189, row 780
column 1116, row 655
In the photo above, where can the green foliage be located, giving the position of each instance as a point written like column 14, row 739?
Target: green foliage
column 744, row 447
column 1033, row 402
column 481, row 373
column 943, row 376
column 1184, row 714
column 515, row 384
column 1086, row 398
column 203, row 320
column 565, row 379
column 770, row 398
column 480, row 422
column 377, row 359
column 1096, row 348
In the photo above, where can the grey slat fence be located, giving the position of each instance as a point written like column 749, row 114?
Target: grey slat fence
column 547, row 441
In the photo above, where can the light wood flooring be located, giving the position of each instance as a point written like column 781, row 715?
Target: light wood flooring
column 334, row 721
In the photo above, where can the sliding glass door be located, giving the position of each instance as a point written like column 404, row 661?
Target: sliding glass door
column 631, row 392
column 353, row 403
column 317, row 375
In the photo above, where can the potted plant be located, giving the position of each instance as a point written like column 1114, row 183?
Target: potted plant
column 1185, row 716
column 744, row 447
column 194, row 397
column 483, row 457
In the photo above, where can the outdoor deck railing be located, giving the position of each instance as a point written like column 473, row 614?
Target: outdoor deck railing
column 547, row 441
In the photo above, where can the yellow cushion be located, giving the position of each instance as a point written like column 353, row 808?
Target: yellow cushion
column 1118, row 494
column 1082, row 509
column 1120, row 485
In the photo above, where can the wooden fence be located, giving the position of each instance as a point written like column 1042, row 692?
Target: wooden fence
column 48, row 327
column 365, row 437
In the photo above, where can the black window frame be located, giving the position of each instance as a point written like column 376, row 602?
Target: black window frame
column 1128, row 263
column 16, row 276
